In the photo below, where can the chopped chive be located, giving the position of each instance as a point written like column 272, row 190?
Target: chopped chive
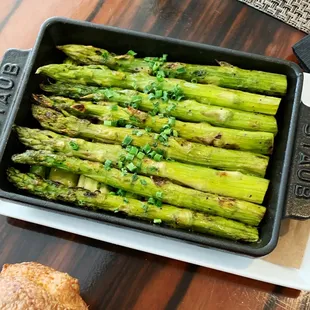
column 152, row 154
column 156, row 136
column 193, row 80
column 108, row 93
column 157, row 221
column 146, row 149
column 175, row 133
column 158, row 157
column 143, row 182
column 124, row 171
column 120, row 192
column 133, row 119
column 116, row 210
column 167, row 131
column 158, row 93
column 136, row 99
column 181, row 70
column 128, row 126
column 151, row 96
column 145, row 207
column 148, row 129
column 139, row 133
column 131, row 53
column 164, row 57
column 120, row 164
column 159, row 195
column 153, row 169
column 133, row 150
column 158, row 203
column 160, row 151
column 108, row 164
column 140, row 155
column 74, row 145
column 134, row 177
column 130, row 157
column 125, row 200
column 134, row 132
column 107, row 123
column 105, row 55
column 114, row 107
column 131, row 167
column 165, row 96
column 151, row 201
column 127, row 140
column 171, row 121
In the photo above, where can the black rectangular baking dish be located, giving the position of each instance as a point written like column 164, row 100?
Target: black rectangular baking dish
column 289, row 191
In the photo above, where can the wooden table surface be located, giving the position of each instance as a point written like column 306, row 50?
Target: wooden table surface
column 113, row 277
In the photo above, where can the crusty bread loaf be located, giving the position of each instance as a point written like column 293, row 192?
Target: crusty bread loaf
column 33, row 286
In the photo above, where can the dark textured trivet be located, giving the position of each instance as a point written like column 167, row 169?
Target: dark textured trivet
column 302, row 51
column 293, row 12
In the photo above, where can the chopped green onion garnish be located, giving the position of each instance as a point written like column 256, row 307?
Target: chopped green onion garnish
column 151, row 201
column 107, row 164
column 130, row 157
column 148, row 129
column 128, row 126
column 120, row 164
column 74, row 145
column 139, row 133
column 134, row 177
column 126, row 200
column 146, row 149
column 171, row 121
column 114, row 107
column 152, row 154
column 133, row 150
column 132, row 53
column 175, row 133
column 159, row 195
column 167, row 131
column 157, row 221
column 181, row 70
column 108, row 123
column 108, row 93
column 120, row 192
column 124, row 171
column 143, row 182
column 158, row 157
column 131, row 167
column 158, row 93
column 158, row 203
column 127, row 140
column 140, row 155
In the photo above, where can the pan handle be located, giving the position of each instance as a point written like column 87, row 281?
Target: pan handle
column 298, row 189
column 11, row 71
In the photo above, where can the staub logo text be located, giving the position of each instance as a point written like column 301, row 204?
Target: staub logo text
column 303, row 171
column 8, row 73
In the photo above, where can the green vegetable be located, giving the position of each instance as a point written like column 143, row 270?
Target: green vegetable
column 176, row 217
column 186, row 110
column 176, row 148
column 173, row 194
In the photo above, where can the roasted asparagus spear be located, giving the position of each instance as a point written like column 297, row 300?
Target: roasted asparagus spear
column 224, row 75
column 257, row 142
column 175, row 148
column 170, row 215
column 226, row 183
column 149, row 187
column 186, row 110
column 207, row 94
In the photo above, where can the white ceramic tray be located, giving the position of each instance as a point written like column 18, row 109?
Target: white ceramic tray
column 237, row 264
column 254, row 268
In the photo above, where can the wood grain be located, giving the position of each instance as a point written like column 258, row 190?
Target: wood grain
column 113, row 277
